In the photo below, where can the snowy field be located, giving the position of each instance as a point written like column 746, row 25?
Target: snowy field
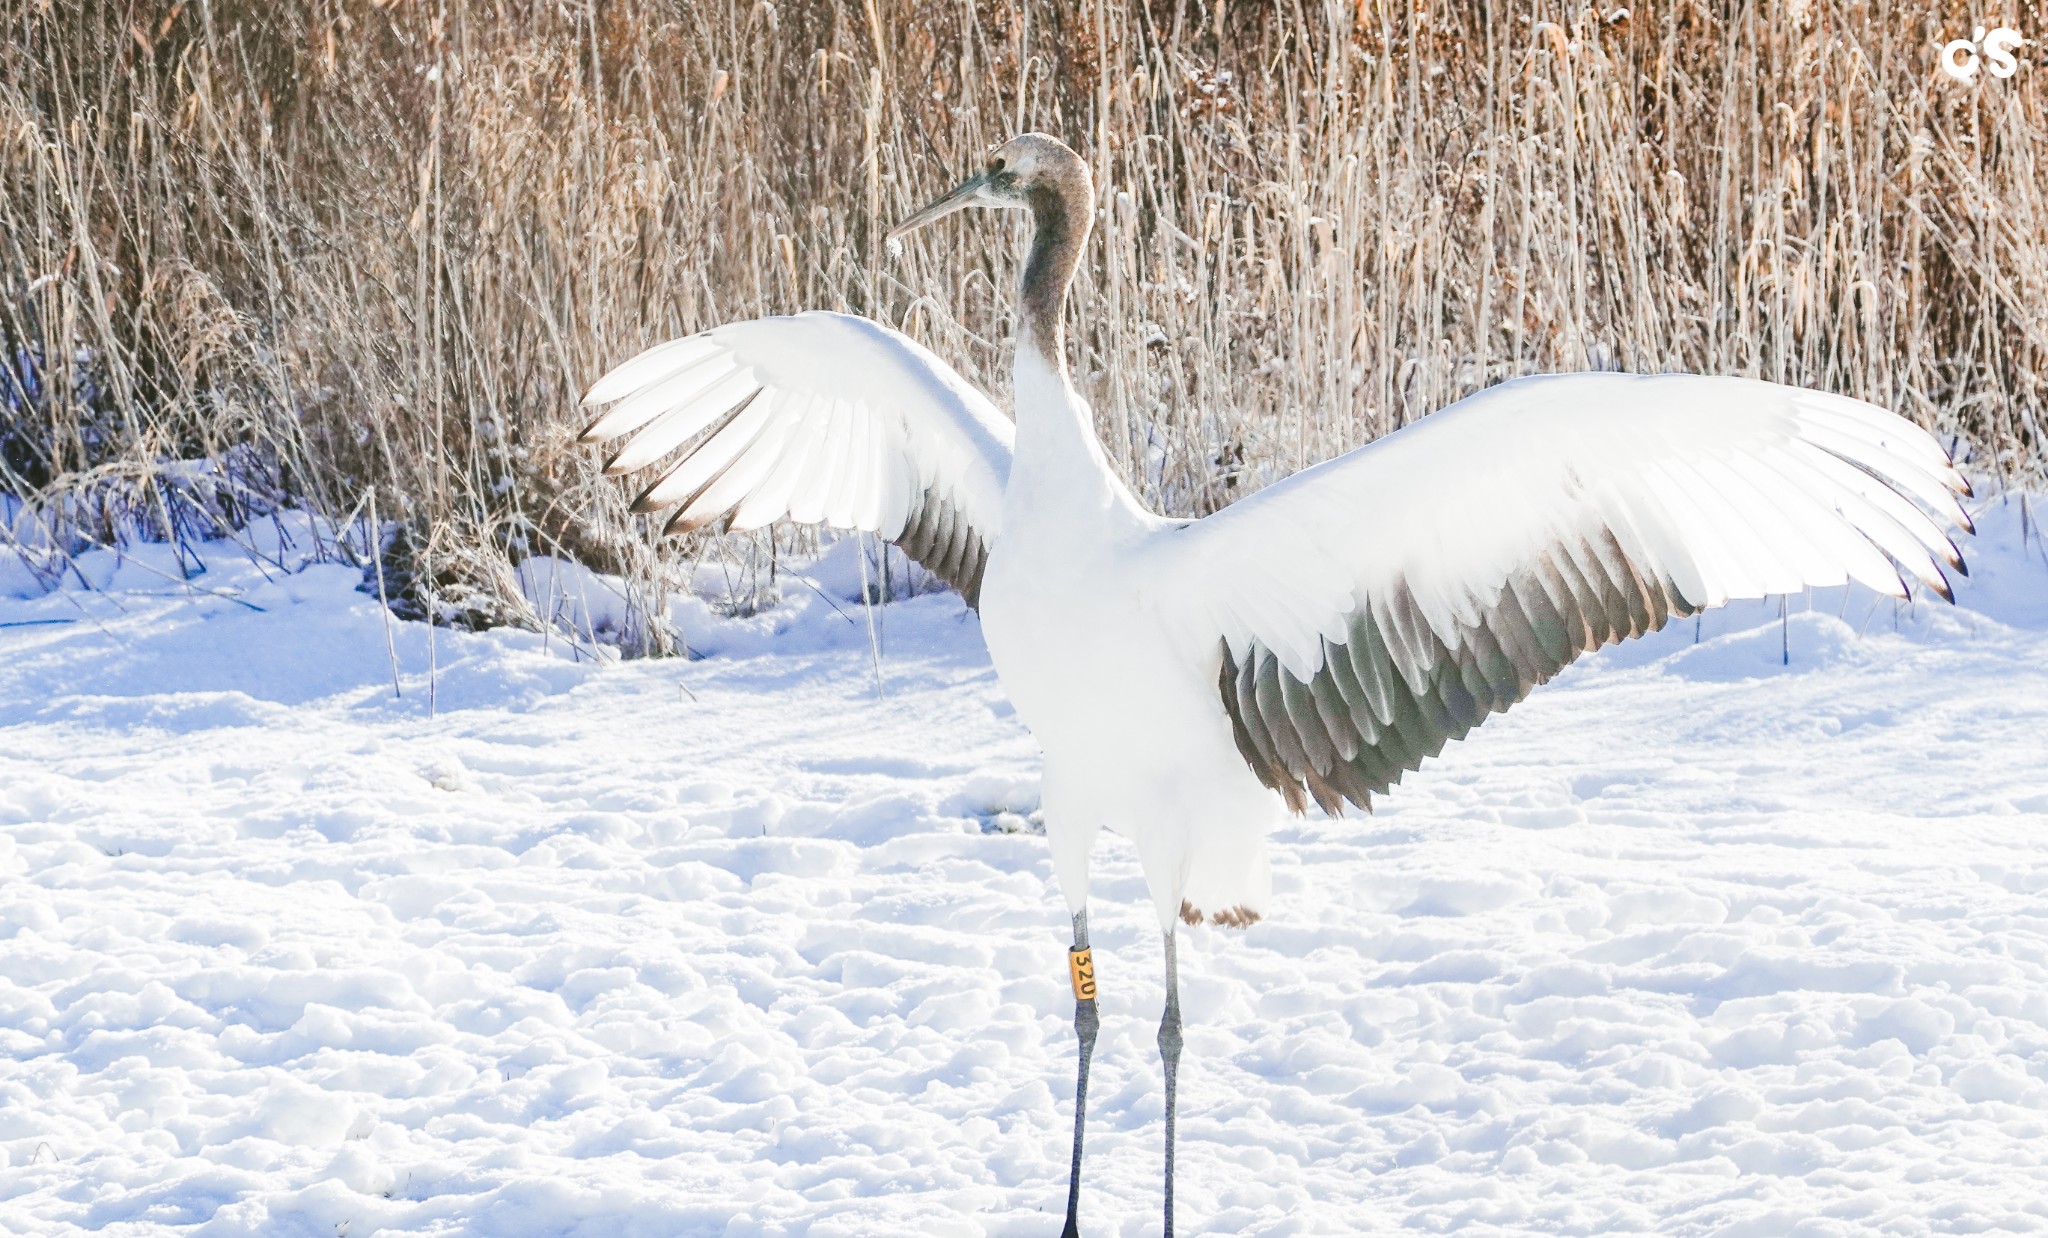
column 1691, row 942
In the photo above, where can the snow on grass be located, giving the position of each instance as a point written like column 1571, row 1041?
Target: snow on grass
column 1692, row 941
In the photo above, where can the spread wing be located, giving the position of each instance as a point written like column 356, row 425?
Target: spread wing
column 819, row 418
column 1377, row 606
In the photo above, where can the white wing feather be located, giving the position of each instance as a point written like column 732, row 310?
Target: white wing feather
column 1727, row 487
column 819, row 417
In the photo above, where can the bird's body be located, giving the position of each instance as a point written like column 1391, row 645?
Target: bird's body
column 1187, row 679
column 1074, row 611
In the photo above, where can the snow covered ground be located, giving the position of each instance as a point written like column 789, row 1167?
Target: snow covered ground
column 1690, row 942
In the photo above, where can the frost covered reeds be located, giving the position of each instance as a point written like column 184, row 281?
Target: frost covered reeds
column 330, row 252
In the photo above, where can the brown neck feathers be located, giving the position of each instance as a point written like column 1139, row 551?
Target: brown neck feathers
column 1061, row 208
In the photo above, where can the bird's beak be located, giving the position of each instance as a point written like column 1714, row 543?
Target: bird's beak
column 967, row 193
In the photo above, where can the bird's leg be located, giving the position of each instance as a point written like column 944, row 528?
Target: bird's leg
column 1169, row 1053
column 1081, row 969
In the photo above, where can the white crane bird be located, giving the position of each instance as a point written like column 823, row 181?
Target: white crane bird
column 1315, row 640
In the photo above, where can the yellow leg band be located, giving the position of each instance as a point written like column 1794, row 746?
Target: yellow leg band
column 1081, row 963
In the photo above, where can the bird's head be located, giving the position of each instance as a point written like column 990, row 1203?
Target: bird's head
column 1034, row 171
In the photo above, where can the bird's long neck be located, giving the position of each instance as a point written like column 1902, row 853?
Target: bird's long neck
column 1060, row 218
column 1059, row 461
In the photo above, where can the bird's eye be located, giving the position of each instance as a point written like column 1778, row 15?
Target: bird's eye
column 995, row 166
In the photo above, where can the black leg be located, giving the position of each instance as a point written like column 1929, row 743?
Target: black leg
column 1169, row 1053
column 1081, row 968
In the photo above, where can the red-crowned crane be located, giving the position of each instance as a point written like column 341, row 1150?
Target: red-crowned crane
column 1313, row 641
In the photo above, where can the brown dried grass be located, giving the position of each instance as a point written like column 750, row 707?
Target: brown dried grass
column 337, row 246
